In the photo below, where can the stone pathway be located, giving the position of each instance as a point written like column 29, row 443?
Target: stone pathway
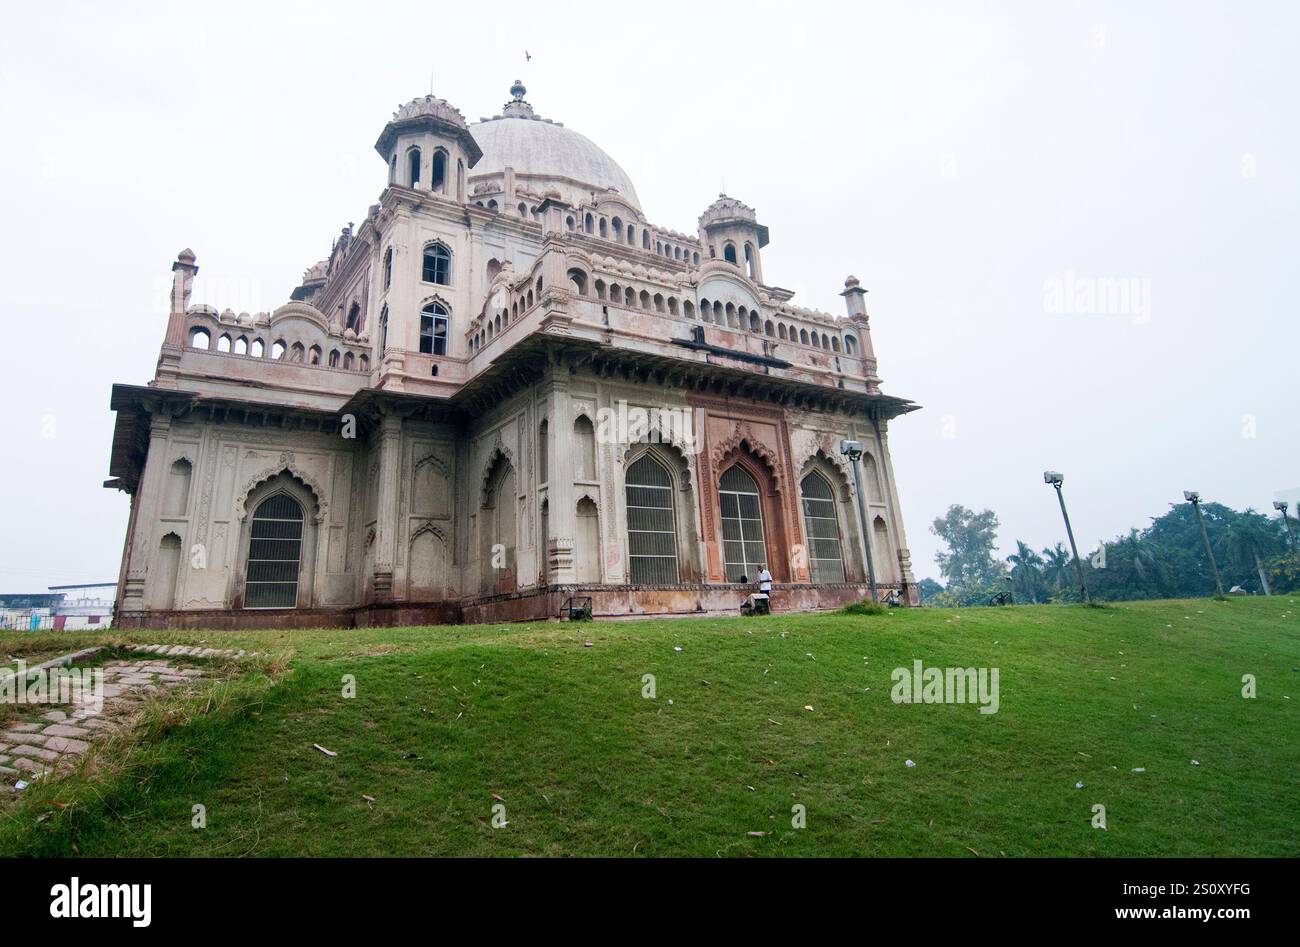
column 180, row 650
column 35, row 748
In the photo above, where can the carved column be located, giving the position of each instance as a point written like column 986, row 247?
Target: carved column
column 145, row 514
column 386, row 512
column 910, row 592
column 561, row 514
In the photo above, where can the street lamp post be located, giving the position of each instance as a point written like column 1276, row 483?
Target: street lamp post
column 1054, row 479
column 1194, row 498
column 853, row 451
column 1280, row 506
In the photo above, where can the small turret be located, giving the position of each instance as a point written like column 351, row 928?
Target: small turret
column 428, row 147
column 731, row 231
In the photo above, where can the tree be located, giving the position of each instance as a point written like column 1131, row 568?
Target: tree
column 1252, row 538
column 969, row 565
column 1057, row 563
column 1026, row 573
column 928, row 588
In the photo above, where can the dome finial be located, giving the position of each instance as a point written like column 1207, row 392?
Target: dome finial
column 517, row 107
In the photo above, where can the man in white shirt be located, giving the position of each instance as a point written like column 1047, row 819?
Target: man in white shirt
column 764, row 581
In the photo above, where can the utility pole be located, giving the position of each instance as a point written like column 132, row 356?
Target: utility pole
column 1054, row 479
column 1194, row 498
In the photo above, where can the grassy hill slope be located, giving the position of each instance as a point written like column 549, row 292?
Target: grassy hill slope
column 448, row 722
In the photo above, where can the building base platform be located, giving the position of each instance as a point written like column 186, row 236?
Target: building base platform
column 536, row 604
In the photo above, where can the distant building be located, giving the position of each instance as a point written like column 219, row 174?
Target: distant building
column 62, row 607
column 507, row 387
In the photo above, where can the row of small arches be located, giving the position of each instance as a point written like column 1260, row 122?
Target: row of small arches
column 493, row 325
column 280, row 350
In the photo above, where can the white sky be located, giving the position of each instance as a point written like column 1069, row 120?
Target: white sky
column 955, row 157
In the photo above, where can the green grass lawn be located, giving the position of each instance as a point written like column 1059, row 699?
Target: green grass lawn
column 448, row 722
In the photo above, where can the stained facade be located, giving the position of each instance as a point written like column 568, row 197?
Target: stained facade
column 504, row 388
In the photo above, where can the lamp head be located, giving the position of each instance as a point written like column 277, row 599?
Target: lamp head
column 1191, row 496
column 851, row 449
column 1279, row 505
column 1052, row 478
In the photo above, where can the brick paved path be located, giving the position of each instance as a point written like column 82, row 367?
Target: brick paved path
column 60, row 736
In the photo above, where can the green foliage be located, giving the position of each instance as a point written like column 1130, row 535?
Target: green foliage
column 971, row 569
column 929, row 589
column 1165, row 560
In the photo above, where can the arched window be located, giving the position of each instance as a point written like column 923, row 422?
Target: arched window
column 354, row 318
column 274, row 554
column 604, row 228
column 439, row 177
column 850, row 345
column 835, row 343
column 754, row 324
column 363, row 363
column 803, row 336
column 744, row 550
column 645, row 239
column 313, row 355
column 729, row 253
column 780, row 331
column 631, row 234
column 200, row 339
column 617, row 224
column 383, row 332
column 584, row 449
column 241, row 345
column 258, row 349
column 523, row 209
column 688, row 308
column 589, row 224
column 568, row 222
column 822, row 528
column 223, row 344
column 437, row 265
column 388, row 267
column 176, row 495
column 347, row 361
column 277, row 349
column 600, row 289
column 768, row 328
column 749, row 261
column 651, row 532
column 433, row 329
column 334, row 358
column 578, row 280
column 413, row 167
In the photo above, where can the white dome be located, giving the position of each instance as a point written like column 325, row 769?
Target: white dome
column 545, row 150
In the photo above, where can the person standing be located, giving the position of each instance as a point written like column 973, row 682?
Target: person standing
column 765, row 583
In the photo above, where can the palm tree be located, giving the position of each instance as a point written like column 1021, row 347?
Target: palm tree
column 1026, row 575
column 1056, row 567
column 1250, row 536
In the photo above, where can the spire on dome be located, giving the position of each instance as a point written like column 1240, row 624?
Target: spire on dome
column 517, row 107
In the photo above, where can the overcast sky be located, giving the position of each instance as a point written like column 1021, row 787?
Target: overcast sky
column 987, row 170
